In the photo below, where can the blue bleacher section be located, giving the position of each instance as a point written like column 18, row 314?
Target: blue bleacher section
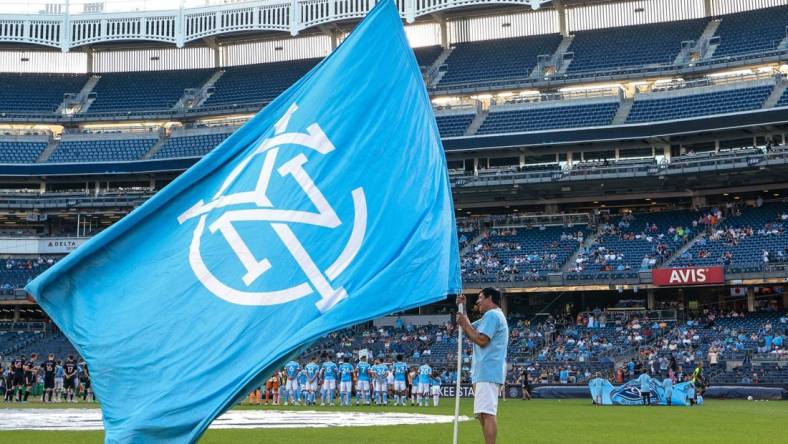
column 513, row 58
column 501, row 120
column 739, row 242
column 693, row 105
column 189, row 146
column 136, row 91
column 454, row 125
column 101, row 150
column 37, row 92
column 426, row 55
column 631, row 46
column 257, row 84
column 16, row 273
column 783, row 99
column 759, row 30
column 20, row 152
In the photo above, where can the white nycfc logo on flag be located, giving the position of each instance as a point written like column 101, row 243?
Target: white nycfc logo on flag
column 280, row 220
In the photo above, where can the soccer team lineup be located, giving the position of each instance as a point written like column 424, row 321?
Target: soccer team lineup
column 393, row 221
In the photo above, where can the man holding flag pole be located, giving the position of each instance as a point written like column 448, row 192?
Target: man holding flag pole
column 297, row 224
column 490, row 338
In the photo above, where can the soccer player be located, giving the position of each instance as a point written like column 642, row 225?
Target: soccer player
column 413, row 384
column 329, row 373
column 9, row 383
column 667, row 384
column 345, row 381
column 362, row 381
column 49, row 366
column 31, row 371
column 312, row 373
column 86, row 386
column 272, row 388
column 2, row 381
column 645, row 389
column 400, row 370
column 436, row 389
column 59, row 381
column 303, row 383
column 381, row 371
column 423, row 391
column 18, row 369
column 292, row 369
column 70, row 377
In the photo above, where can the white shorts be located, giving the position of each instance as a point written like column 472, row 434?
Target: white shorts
column 291, row 384
column 330, row 384
column 400, row 386
column 436, row 390
column 362, row 386
column 379, row 386
column 58, row 383
column 424, row 388
column 485, row 398
column 346, row 386
column 311, row 386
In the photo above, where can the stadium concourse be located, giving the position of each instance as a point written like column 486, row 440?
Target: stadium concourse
column 618, row 171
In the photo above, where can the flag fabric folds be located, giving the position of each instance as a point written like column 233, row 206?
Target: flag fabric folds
column 330, row 207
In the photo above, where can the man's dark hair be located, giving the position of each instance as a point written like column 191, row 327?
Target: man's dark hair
column 490, row 292
column 399, row 357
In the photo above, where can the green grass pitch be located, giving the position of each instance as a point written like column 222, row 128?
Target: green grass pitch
column 540, row 421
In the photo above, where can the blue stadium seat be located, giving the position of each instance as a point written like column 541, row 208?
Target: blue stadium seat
column 144, row 91
column 648, row 109
column 453, row 125
column 189, row 146
column 20, row 152
column 37, row 93
column 753, row 31
column 101, row 150
column 501, row 120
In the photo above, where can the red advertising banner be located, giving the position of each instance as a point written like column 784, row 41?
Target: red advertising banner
column 688, row 276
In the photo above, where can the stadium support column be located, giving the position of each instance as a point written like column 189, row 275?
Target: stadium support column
column 707, row 8
column 650, row 299
column 16, row 314
column 505, row 303
column 750, row 299
column 562, row 23
column 441, row 21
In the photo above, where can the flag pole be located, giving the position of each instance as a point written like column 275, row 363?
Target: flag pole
column 460, row 309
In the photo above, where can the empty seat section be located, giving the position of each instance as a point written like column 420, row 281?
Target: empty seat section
column 426, row 55
column 501, row 120
column 189, row 146
column 454, row 125
column 20, row 152
column 693, row 105
column 513, row 58
column 753, row 31
column 41, row 93
column 102, row 150
column 136, row 91
column 632, row 46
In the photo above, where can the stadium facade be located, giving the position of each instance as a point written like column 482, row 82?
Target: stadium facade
column 599, row 151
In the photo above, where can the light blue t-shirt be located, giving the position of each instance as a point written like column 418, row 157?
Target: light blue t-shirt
column 363, row 371
column 292, row 368
column 425, row 373
column 489, row 363
column 302, row 378
column 400, row 371
column 381, row 371
column 345, row 372
column 329, row 371
column 667, row 384
column 311, row 371
column 644, row 381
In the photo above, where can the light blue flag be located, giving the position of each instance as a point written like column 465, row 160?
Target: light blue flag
column 330, row 207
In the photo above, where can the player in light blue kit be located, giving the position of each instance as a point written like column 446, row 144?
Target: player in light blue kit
column 329, row 373
column 667, row 384
column 345, row 381
column 381, row 372
column 291, row 386
column 303, row 381
column 435, row 387
column 423, row 391
column 312, row 372
column 645, row 387
column 400, row 370
column 362, row 381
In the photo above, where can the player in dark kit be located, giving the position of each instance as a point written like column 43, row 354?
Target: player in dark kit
column 9, row 384
column 18, row 368
column 86, row 383
column 31, row 371
column 48, row 367
column 70, row 377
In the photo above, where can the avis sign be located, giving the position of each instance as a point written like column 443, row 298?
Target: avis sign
column 688, row 276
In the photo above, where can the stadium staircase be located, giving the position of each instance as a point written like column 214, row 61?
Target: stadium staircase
column 477, row 122
column 558, row 58
column 479, row 237
column 623, row 111
column 587, row 242
column 555, row 60
column 703, row 47
column 155, row 148
column 83, row 97
column 435, row 74
column 784, row 44
column 679, row 251
column 51, row 147
column 777, row 93
column 202, row 94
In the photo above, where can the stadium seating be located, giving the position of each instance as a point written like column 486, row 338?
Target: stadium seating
column 426, row 55
column 143, row 91
column 16, row 273
column 40, row 93
column 753, row 31
column 257, row 84
column 20, row 152
column 503, row 120
column 189, row 146
column 783, row 99
column 743, row 238
column 647, row 109
column 632, row 46
column 102, row 150
column 483, row 61
column 453, row 125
